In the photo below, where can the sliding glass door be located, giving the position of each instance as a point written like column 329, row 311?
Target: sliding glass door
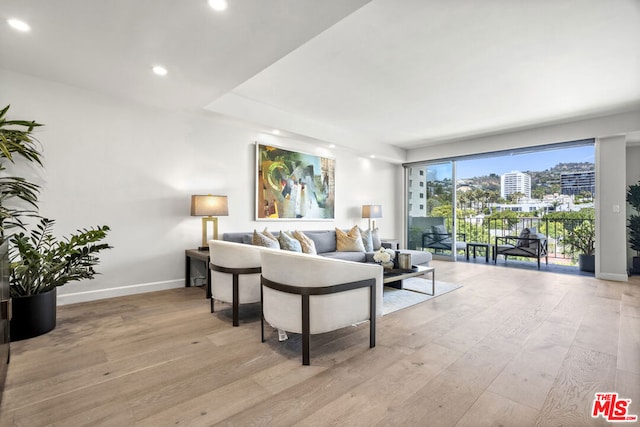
column 431, row 208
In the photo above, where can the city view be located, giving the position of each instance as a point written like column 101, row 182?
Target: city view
column 549, row 193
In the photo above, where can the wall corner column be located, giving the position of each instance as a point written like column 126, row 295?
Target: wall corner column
column 610, row 207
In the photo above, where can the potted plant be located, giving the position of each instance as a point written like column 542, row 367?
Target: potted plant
column 38, row 262
column 581, row 240
column 633, row 198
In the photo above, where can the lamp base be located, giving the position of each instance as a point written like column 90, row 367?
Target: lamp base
column 203, row 248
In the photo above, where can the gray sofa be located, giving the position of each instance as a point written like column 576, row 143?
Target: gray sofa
column 325, row 242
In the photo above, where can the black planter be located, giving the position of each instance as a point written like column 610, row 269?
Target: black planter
column 636, row 265
column 587, row 263
column 33, row 315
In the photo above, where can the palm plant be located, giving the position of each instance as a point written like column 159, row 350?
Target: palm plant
column 633, row 198
column 16, row 139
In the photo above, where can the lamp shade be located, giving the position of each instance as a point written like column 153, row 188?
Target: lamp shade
column 208, row 205
column 371, row 211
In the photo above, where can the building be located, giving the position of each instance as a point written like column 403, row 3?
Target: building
column 515, row 182
column 575, row 183
column 417, row 193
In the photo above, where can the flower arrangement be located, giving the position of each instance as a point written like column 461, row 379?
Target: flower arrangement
column 384, row 255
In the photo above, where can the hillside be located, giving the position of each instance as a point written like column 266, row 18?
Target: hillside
column 544, row 182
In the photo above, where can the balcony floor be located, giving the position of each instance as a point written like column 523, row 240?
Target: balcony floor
column 531, row 264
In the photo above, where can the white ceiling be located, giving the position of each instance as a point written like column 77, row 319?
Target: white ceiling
column 386, row 72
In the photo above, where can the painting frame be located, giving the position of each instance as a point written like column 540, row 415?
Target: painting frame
column 293, row 185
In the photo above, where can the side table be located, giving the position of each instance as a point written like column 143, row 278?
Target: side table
column 200, row 256
column 475, row 245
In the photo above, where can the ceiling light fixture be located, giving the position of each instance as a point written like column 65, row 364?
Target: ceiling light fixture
column 276, row 132
column 160, row 70
column 332, row 145
column 373, row 156
column 18, row 25
column 218, row 5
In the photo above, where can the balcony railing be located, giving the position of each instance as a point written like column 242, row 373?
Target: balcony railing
column 483, row 230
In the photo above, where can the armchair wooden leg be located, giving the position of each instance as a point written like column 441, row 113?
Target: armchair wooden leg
column 236, row 298
column 306, row 329
column 372, row 318
column 209, row 292
column 261, row 316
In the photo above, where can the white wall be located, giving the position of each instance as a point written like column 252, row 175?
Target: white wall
column 134, row 168
column 611, row 171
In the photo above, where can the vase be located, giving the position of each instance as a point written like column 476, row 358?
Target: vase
column 33, row 315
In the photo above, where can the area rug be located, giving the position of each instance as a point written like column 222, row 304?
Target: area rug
column 397, row 299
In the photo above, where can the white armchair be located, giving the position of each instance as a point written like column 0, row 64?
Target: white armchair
column 235, row 274
column 309, row 294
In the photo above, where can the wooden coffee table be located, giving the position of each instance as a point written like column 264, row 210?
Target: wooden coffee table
column 394, row 278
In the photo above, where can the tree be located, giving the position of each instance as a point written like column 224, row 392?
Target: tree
column 514, row 197
column 499, row 219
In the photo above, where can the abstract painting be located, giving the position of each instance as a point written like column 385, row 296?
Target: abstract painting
column 293, row 185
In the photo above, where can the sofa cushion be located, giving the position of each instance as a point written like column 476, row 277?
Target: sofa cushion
column 265, row 238
column 307, row 244
column 375, row 238
column 350, row 241
column 347, row 256
column 238, row 237
column 367, row 239
column 288, row 242
column 324, row 240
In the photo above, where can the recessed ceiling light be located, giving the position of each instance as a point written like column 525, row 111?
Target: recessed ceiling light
column 18, row 25
column 160, row 70
column 373, row 156
column 332, row 145
column 276, row 132
column 218, row 5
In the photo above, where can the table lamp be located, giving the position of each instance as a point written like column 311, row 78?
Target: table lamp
column 209, row 207
column 372, row 211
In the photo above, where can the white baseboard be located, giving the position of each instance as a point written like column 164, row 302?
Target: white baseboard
column 120, row 291
column 613, row 276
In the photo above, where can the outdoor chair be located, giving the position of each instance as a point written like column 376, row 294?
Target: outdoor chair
column 439, row 239
column 529, row 245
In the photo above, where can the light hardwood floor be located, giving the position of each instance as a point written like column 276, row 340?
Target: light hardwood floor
column 511, row 347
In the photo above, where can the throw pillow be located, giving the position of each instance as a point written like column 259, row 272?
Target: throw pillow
column 367, row 239
column 439, row 230
column 375, row 238
column 265, row 238
column 288, row 242
column 523, row 238
column 350, row 241
column 308, row 246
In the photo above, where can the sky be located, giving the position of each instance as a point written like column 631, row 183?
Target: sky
column 539, row 161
